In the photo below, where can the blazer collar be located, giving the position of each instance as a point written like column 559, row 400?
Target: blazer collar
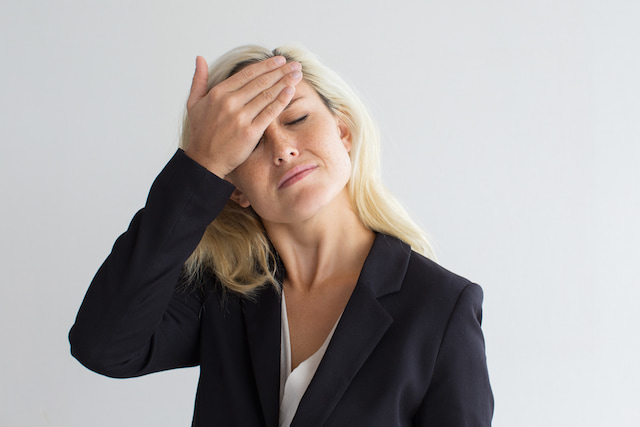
column 363, row 323
column 386, row 265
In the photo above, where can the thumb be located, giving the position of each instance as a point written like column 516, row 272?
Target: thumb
column 199, row 83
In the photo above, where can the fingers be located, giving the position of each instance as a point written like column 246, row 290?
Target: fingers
column 264, row 96
column 247, row 74
column 258, row 84
column 265, row 81
column 267, row 96
column 199, row 82
column 225, row 124
column 273, row 110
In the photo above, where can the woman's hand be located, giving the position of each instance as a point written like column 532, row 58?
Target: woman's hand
column 226, row 123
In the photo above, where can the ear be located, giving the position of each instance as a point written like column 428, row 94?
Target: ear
column 345, row 133
column 239, row 197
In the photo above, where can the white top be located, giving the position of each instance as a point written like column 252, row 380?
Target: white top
column 294, row 384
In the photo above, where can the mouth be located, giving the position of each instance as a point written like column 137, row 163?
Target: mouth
column 295, row 174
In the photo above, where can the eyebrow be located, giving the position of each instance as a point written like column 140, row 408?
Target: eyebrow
column 291, row 103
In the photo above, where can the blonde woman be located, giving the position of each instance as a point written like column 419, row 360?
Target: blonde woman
column 269, row 254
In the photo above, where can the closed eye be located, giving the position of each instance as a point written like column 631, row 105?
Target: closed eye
column 298, row 121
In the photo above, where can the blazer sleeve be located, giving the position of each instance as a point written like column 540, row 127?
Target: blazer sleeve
column 134, row 318
column 459, row 393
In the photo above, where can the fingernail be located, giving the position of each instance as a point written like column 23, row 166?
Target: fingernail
column 280, row 60
column 295, row 66
column 289, row 90
column 296, row 74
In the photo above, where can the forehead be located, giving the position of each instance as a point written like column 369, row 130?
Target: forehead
column 306, row 92
column 304, row 89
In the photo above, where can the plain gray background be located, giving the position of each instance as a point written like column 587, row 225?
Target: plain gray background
column 510, row 132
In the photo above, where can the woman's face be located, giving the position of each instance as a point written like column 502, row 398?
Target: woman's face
column 301, row 164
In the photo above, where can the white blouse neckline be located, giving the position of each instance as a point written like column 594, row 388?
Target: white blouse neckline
column 293, row 384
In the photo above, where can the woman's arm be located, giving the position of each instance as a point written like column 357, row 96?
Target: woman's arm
column 133, row 320
column 459, row 393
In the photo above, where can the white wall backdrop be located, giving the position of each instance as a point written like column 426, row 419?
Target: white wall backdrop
column 510, row 132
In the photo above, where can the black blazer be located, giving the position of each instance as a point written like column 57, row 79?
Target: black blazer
column 408, row 349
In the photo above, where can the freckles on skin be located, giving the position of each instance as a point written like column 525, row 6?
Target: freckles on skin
column 307, row 133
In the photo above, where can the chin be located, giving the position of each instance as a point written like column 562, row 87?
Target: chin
column 305, row 207
column 311, row 205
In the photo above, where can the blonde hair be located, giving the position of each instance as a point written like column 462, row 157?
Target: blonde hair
column 235, row 247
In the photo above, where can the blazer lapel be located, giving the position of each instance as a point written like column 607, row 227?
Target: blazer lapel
column 262, row 319
column 362, row 325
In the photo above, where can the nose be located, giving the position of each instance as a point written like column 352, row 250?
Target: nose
column 284, row 149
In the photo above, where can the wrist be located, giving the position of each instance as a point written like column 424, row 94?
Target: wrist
column 206, row 162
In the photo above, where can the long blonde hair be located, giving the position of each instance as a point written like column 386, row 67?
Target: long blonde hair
column 235, row 247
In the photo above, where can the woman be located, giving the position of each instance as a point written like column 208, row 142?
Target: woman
column 269, row 254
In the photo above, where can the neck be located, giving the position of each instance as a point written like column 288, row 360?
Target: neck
column 327, row 249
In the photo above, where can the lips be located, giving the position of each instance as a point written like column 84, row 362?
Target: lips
column 295, row 174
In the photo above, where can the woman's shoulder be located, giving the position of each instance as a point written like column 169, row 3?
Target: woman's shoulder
column 426, row 272
column 425, row 281
column 426, row 295
column 435, row 293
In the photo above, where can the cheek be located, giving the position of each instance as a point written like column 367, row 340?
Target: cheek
column 347, row 166
column 244, row 175
column 343, row 157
